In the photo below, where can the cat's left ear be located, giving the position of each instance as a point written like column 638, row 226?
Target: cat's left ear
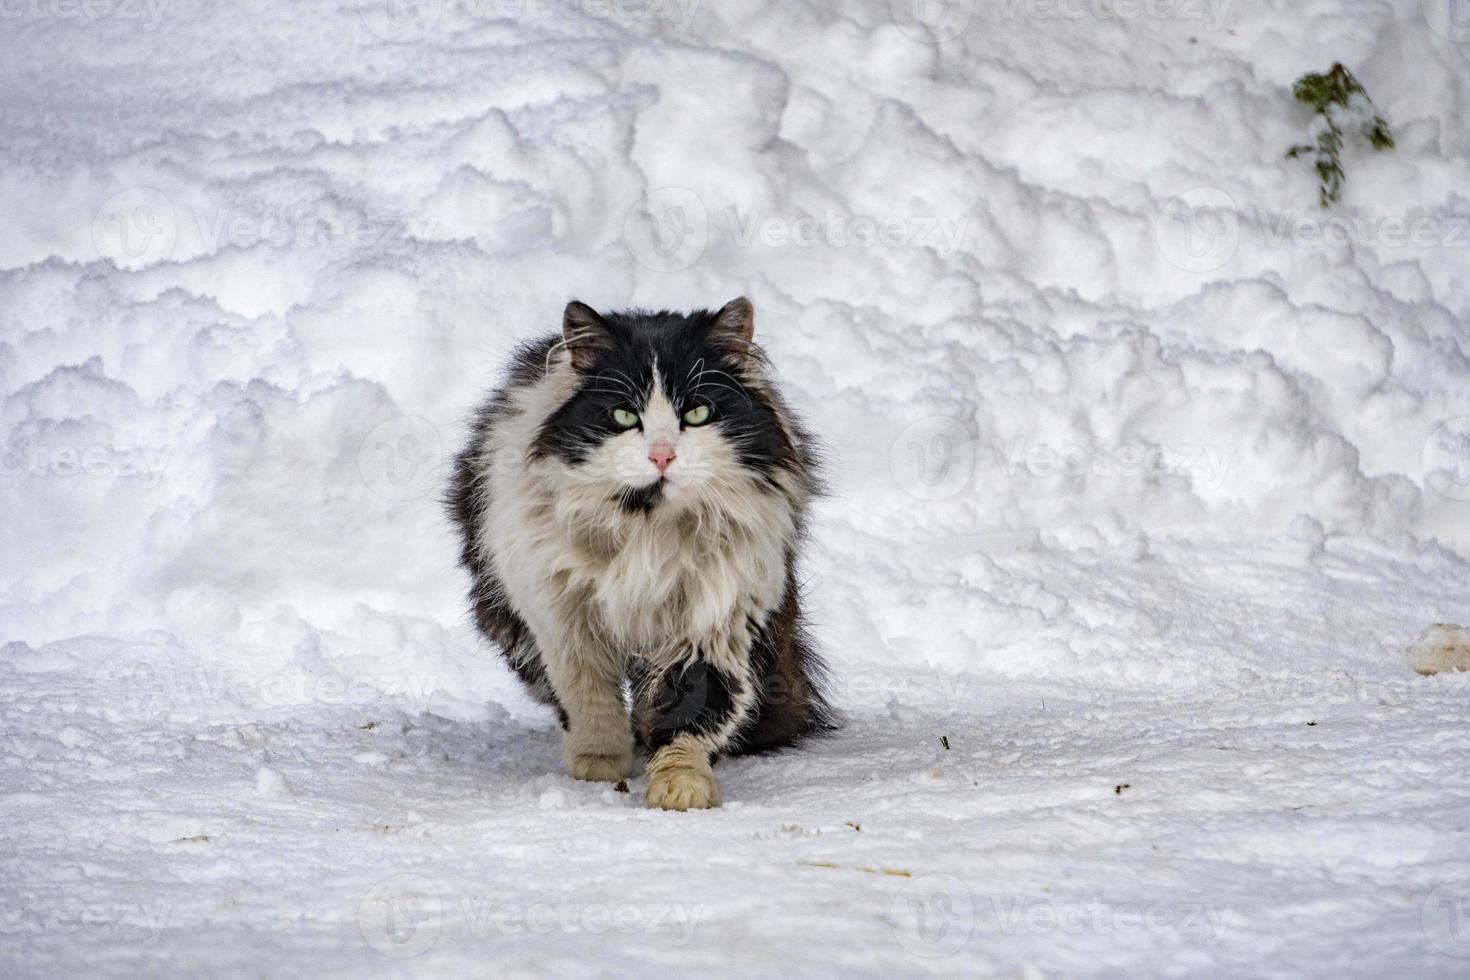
column 586, row 335
column 735, row 324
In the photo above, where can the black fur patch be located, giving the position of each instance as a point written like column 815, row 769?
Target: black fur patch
column 791, row 704
column 641, row 500
column 699, row 362
column 696, row 698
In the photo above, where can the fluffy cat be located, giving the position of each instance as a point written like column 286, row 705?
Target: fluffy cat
column 632, row 501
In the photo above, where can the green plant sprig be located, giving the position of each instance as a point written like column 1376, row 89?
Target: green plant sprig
column 1336, row 88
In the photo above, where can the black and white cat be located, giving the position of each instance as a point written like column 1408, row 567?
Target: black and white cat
column 631, row 502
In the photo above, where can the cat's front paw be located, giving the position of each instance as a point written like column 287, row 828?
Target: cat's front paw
column 599, row 768
column 683, row 788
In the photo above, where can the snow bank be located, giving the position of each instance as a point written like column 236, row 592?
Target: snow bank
column 1112, row 405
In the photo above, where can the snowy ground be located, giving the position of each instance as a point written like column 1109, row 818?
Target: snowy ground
column 1147, row 472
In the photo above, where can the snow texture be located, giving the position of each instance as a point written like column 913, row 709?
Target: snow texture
column 1147, row 473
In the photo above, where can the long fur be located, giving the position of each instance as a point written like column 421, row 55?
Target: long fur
column 589, row 567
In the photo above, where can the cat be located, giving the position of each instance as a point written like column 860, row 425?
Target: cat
column 632, row 502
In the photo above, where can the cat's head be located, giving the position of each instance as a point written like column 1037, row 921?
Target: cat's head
column 669, row 409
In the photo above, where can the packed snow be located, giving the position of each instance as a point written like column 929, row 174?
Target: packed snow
column 1147, row 472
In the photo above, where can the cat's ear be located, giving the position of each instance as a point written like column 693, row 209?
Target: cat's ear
column 586, row 335
column 735, row 325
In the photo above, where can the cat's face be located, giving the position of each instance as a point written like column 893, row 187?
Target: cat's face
column 668, row 410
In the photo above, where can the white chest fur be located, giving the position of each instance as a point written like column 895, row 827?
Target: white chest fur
column 577, row 567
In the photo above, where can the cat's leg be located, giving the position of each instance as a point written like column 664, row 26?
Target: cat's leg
column 588, row 681
column 789, row 676
column 690, row 708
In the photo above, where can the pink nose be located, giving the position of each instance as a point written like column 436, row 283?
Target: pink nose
column 661, row 455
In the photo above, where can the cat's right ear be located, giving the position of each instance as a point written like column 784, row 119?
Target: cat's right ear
column 585, row 334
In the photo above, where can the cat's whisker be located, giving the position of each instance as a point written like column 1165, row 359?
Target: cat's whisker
column 632, row 387
column 723, row 374
column 622, row 383
column 551, row 352
column 737, row 391
column 699, row 382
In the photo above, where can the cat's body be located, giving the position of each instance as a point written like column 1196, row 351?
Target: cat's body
column 631, row 503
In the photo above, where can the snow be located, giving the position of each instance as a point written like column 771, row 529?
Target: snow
column 1147, row 475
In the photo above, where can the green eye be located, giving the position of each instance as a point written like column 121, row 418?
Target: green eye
column 624, row 418
column 698, row 415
